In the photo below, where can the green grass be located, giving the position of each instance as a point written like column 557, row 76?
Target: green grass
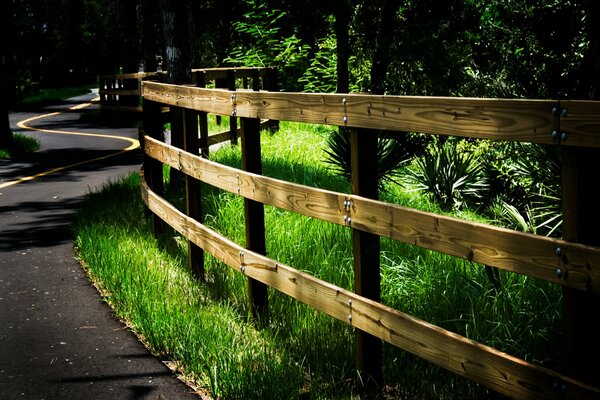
column 301, row 350
column 22, row 144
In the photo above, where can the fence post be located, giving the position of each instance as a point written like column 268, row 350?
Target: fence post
column 193, row 193
column 254, row 214
column 153, row 169
column 366, row 248
column 581, row 219
column 202, row 118
column 255, row 74
column 101, row 87
column 270, row 84
column 233, row 136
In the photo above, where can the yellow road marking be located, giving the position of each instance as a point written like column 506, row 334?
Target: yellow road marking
column 23, row 125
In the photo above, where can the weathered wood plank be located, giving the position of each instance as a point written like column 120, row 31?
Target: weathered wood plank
column 499, row 119
column 254, row 215
column 367, row 254
column 134, row 75
column 121, row 92
column 223, row 136
column 193, row 191
column 513, row 251
column 501, row 372
column 581, row 123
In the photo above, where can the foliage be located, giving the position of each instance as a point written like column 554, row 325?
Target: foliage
column 524, row 184
column 391, row 155
column 321, row 75
column 527, row 179
column 451, row 177
column 47, row 96
column 262, row 43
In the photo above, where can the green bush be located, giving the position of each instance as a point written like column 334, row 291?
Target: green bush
column 525, row 180
column 391, row 155
column 261, row 43
column 452, row 178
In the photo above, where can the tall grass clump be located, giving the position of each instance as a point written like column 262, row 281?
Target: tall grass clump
column 21, row 144
column 297, row 351
column 209, row 340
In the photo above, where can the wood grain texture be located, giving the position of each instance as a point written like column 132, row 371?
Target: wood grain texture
column 499, row 119
column 496, row 370
column 581, row 123
column 513, row 251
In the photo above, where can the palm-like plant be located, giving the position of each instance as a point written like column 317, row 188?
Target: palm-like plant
column 452, row 178
column 391, row 155
column 541, row 166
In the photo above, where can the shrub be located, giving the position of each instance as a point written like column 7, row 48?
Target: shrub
column 526, row 177
column 391, row 155
column 450, row 177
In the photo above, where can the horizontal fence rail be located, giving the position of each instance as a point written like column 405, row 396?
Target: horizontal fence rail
column 573, row 265
column 535, row 121
column 514, row 251
column 480, row 363
column 122, row 92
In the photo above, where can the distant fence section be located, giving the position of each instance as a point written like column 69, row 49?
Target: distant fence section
column 573, row 263
column 123, row 92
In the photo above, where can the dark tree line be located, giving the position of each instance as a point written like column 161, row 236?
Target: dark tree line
column 458, row 47
column 522, row 48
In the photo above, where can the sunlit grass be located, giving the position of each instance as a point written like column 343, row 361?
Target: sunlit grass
column 300, row 350
column 149, row 286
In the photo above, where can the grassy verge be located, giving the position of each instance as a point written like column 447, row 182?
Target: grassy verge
column 22, row 144
column 299, row 352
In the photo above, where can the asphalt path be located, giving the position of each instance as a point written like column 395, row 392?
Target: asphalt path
column 58, row 340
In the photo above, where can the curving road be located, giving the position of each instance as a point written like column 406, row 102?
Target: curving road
column 57, row 339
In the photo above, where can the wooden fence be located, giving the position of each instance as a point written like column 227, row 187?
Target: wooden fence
column 573, row 263
column 122, row 92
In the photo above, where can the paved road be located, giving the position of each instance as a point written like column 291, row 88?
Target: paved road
column 57, row 339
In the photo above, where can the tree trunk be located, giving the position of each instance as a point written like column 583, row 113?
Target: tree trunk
column 589, row 81
column 174, row 15
column 150, row 35
column 342, row 22
column 381, row 54
column 7, row 87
